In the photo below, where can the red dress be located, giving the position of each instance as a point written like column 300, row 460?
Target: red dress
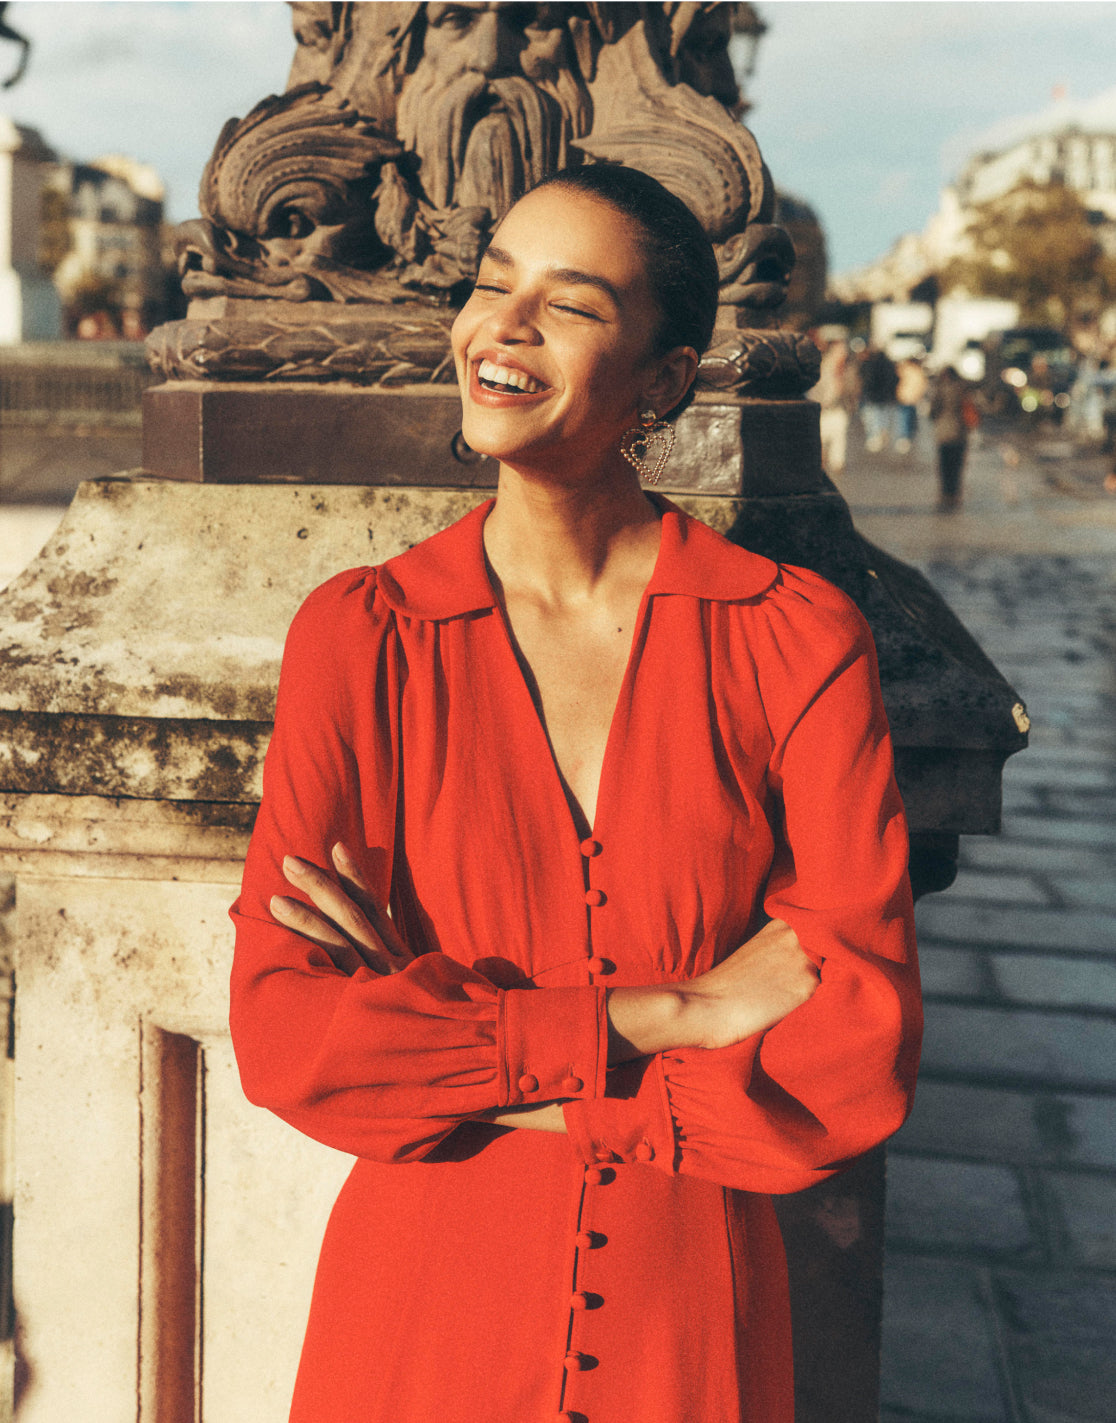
column 632, row 1269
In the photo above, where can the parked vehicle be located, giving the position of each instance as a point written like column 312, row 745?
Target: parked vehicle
column 1028, row 370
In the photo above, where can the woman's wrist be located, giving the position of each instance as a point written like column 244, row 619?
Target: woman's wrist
column 646, row 1020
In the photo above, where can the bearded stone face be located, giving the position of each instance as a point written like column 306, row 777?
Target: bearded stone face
column 490, row 104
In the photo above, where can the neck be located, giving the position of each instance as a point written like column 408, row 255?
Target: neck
column 559, row 542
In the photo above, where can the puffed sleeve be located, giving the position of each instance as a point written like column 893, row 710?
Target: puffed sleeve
column 782, row 1110
column 378, row 1066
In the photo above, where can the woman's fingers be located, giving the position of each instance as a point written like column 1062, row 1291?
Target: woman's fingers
column 362, row 896
column 347, row 922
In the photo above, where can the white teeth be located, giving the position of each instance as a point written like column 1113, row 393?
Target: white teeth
column 500, row 375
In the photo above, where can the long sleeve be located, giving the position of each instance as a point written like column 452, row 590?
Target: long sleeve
column 383, row 1067
column 782, row 1110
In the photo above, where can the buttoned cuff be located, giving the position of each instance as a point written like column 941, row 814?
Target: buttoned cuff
column 551, row 1043
column 631, row 1123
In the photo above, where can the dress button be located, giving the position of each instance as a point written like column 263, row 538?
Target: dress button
column 599, row 965
column 602, row 1153
column 594, row 897
column 576, row 1362
column 645, row 1151
column 528, row 1082
column 589, row 848
column 594, row 1176
column 585, row 1240
column 572, row 1084
column 579, row 1300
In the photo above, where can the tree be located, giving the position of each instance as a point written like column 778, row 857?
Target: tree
column 1037, row 245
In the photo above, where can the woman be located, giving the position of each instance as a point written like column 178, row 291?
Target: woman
column 628, row 791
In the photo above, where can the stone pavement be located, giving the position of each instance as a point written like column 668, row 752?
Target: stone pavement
column 1000, row 1286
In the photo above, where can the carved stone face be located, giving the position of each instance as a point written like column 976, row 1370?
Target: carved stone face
column 490, row 103
column 703, row 57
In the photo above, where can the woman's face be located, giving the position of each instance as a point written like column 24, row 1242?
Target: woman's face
column 554, row 347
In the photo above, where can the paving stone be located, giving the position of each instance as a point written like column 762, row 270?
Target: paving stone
column 1066, row 1049
column 1086, row 1207
column 1001, row 853
column 1001, row 888
column 1063, row 831
column 1014, row 926
column 1042, row 1127
column 1059, row 1333
column 1089, row 891
column 936, row 1203
column 955, row 973
column 1055, row 981
column 939, row 1357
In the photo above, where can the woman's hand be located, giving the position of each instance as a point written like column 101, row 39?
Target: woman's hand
column 747, row 993
column 750, row 991
column 350, row 917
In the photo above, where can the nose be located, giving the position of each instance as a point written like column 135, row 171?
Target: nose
column 493, row 49
column 511, row 322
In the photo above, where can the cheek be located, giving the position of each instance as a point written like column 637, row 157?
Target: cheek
column 461, row 333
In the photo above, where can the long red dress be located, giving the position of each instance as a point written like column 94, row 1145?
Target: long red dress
column 632, row 1269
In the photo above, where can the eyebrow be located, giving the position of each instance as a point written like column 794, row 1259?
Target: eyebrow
column 562, row 274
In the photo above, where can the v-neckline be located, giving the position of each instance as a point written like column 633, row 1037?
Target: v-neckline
column 623, row 697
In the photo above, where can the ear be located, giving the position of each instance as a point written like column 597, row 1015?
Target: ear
column 672, row 376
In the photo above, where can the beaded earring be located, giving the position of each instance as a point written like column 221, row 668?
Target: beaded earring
column 647, row 446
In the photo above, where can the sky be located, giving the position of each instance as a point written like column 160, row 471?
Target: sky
column 863, row 108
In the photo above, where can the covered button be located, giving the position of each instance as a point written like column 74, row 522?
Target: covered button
column 586, row 1240
column 572, row 1084
column 590, row 847
column 576, row 1362
column 528, row 1082
column 599, row 965
column 593, row 1176
column 579, row 1300
column 645, row 1151
column 594, row 897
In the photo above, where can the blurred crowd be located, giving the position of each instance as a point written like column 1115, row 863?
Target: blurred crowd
column 1019, row 383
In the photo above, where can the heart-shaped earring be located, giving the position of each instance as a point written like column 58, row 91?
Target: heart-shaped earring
column 647, row 446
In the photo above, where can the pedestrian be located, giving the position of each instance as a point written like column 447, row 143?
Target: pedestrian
column 833, row 394
column 878, row 383
column 953, row 414
column 909, row 395
column 626, row 790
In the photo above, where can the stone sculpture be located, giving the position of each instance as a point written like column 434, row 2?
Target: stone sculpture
column 342, row 221
column 7, row 33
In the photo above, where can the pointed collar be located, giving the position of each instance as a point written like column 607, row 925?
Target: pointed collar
column 446, row 576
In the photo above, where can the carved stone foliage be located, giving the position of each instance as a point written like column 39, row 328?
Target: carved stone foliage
column 405, row 134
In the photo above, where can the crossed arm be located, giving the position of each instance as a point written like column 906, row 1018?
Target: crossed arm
column 750, row 991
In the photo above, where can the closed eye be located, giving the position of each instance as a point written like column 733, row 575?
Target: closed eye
column 577, row 311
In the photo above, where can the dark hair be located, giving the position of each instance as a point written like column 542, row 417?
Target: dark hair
column 681, row 267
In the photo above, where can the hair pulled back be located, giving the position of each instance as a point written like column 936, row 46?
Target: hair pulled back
column 681, row 266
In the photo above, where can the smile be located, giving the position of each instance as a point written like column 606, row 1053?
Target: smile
column 507, row 382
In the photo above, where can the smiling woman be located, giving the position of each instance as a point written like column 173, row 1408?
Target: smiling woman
column 600, row 928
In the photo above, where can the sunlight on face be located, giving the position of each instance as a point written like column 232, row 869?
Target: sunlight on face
column 554, row 349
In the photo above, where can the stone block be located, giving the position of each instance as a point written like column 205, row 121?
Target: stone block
column 1016, row 1127
column 1001, row 1043
column 1000, row 852
column 1046, row 830
column 1089, row 891
column 939, row 1204
column 1059, row 1333
column 998, row 888
column 953, row 973
column 939, row 1356
column 1010, row 926
column 1086, row 1208
column 1056, row 981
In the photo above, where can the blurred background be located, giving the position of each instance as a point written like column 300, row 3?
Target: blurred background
column 948, row 175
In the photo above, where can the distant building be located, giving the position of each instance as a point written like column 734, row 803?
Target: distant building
column 1070, row 144
column 29, row 308
column 115, row 227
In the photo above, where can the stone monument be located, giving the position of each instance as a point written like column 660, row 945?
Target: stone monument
column 308, row 422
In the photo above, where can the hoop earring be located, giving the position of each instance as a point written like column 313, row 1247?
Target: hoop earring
column 647, row 446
